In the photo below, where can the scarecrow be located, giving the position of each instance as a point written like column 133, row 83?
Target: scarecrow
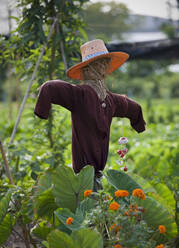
column 91, row 104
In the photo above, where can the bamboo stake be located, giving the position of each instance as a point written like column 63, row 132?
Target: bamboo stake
column 31, row 82
column 6, row 166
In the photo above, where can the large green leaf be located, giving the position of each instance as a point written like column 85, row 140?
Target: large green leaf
column 45, row 204
column 146, row 186
column 166, row 194
column 64, row 213
column 86, row 205
column 58, row 239
column 121, row 180
column 42, row 231
column 4, row 204
column 155, row 214
column 44, row 183
column 86, row 238
column 68, row 188
column 6, row 228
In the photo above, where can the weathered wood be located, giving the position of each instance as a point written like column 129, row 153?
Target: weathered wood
column 6, row 165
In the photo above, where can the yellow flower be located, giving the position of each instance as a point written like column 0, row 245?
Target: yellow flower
column 87, row 192
column 160, row 246
column 139, row 193
column 162, row 229
column 69, row 221
column 114, row 206
column 121, row 193
column 117, row 246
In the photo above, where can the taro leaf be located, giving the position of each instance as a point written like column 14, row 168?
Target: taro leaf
column 121, row 180
column 87, row 238
column 84, row 238
column 86, row 205
column 146, row 186
column 61, row 227
column 45, row 204
column 155, row 214
column 57, row 239
column 6, row 228
column 166, row 194
column 64, row 213
column 44, row 183
column 42, row 231
column 68, row 188
column 46, row 244
column 4, row 204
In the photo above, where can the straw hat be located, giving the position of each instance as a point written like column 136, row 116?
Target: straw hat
column 94, row 50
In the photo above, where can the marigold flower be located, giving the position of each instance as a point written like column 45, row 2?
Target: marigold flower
column 114, row 227
column 139, row 193
column 108, row 197
column 87, row 192
column 162, row 229
column 160, row 246
column 121, row 193
column 117, row 246
column 126, row 213
column 114, row 206
column 69, row 221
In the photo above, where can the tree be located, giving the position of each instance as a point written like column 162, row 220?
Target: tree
column 106, row 20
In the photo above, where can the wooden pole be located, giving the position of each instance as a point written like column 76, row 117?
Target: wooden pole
column 31, row 82
column 6, row 165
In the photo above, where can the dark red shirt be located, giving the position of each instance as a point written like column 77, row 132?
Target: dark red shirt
column 90, row 119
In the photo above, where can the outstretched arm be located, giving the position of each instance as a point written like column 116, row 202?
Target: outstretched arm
column 56, row 92
column 126, row 107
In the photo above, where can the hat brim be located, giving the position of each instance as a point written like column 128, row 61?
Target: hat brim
column 117, row 59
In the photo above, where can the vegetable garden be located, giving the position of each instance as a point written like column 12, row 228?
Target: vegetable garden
column 45, row 204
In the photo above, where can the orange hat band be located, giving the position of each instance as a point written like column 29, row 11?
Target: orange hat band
column 89, row 56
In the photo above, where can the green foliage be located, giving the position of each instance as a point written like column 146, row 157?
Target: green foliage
column 64, row 213
column 41, row 231
column 6, row 227
column 45, row 204
column 4, row 204
column 169, row 30
column 106, row 20
column 156, row 214
column 120, row 180
column 84, row 238
column 68, row 188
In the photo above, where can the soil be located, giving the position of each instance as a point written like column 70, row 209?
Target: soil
column 16, row 240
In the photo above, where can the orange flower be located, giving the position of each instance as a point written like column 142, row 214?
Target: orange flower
column 114, row 228
column 139, row 193
column 87, row 192
column 160, row 246
column 121, row 193
column 162, row 229
column 127, row 213
column 69, row 221
column 108, row 197
column 114, row 206
column 117, row 246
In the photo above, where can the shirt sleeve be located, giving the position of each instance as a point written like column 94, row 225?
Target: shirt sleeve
column 54, row 92
column 126, row 107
